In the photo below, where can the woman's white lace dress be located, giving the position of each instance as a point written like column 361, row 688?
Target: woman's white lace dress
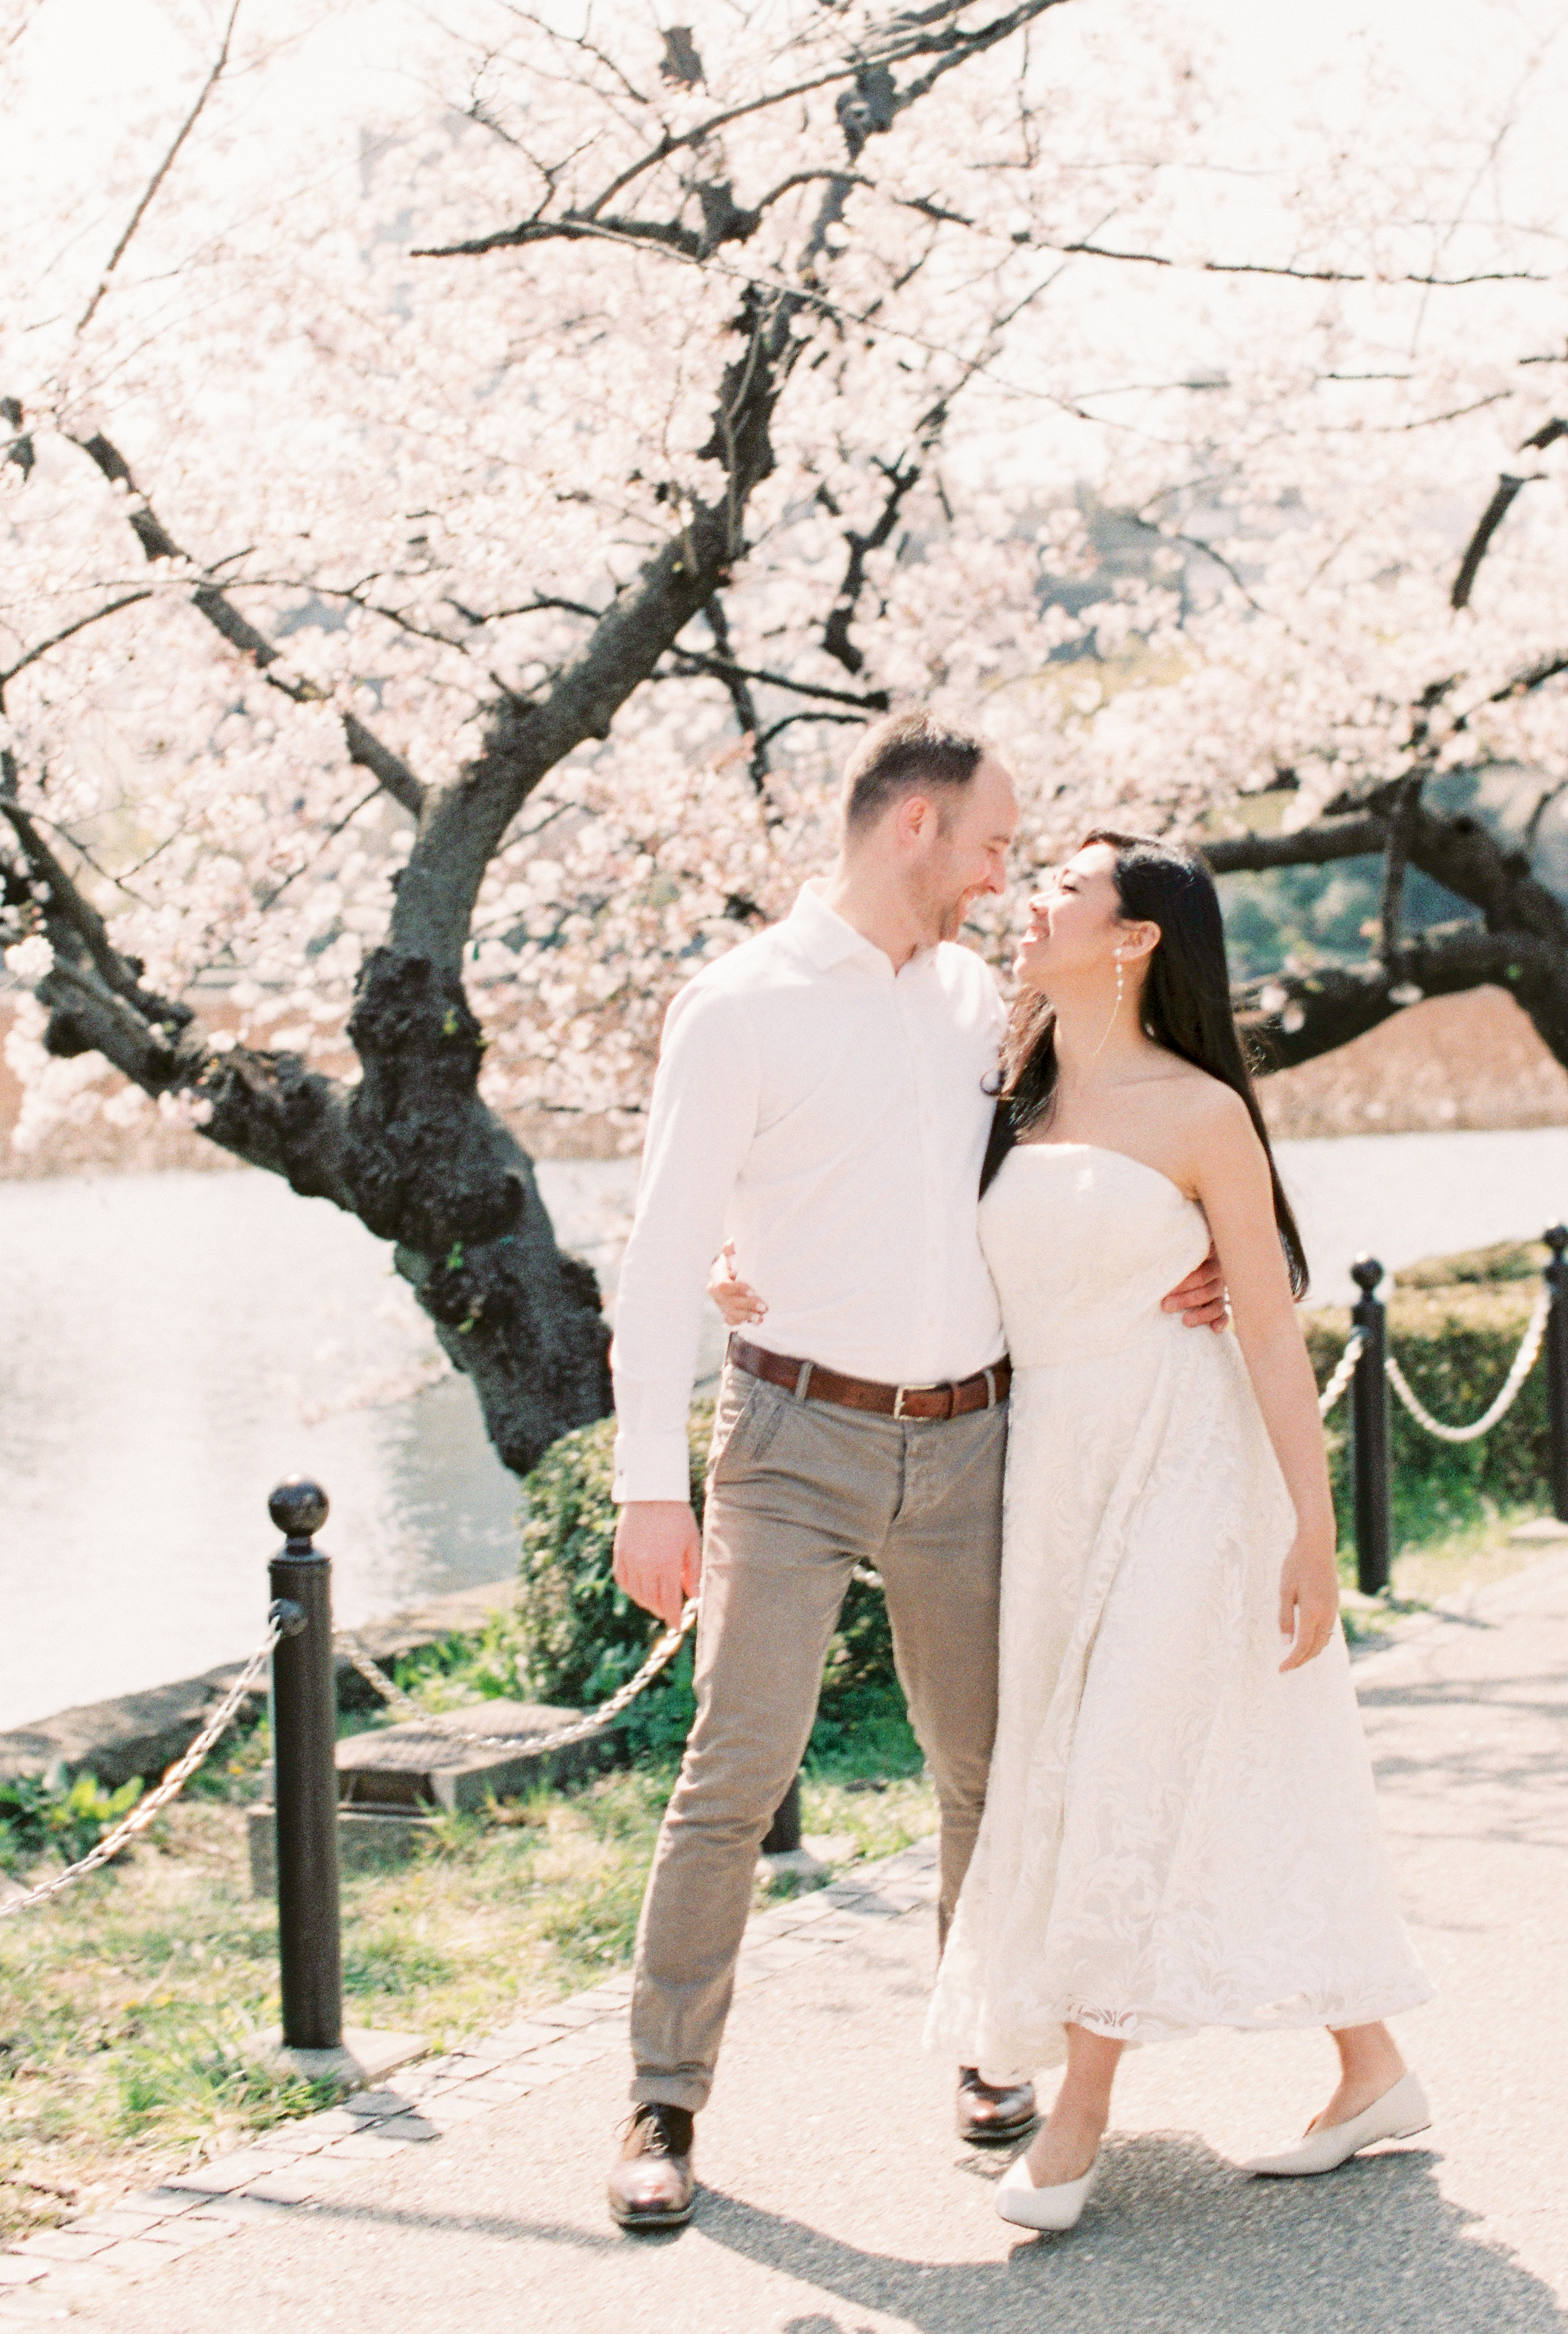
column 1174, row 1835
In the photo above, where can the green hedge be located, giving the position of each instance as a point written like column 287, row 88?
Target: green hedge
column 1455, row 1323
column 583, row 1637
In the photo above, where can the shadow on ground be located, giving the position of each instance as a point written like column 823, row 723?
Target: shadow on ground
column 1175, row 2238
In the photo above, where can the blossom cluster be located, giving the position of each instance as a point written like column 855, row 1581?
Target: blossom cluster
column 1133, row 417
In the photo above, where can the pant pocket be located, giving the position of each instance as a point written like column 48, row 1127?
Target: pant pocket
column 748, row 1418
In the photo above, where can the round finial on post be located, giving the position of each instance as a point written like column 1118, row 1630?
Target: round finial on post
column 299, row 1509
column 1366, row 1272
column 1556, row 1238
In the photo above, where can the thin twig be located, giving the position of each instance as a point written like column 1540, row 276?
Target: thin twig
column 162, row 171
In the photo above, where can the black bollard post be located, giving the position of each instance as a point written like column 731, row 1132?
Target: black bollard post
column 1557, row 1368
column 1370, row 1430
column 305, row 1744
column 784, row 1832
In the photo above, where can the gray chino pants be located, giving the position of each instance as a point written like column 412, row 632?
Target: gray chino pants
column 799, row 1492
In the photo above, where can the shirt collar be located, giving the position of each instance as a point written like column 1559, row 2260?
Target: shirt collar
column 828, row 940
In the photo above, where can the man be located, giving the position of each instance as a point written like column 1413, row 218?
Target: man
column 823, row 1098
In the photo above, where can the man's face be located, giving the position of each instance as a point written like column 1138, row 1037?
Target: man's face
column 960, row 851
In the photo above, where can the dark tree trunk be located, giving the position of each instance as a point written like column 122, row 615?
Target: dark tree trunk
column 433, row 1169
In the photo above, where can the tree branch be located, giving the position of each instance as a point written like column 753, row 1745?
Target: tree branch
column 1476, row 550
column 901, row 477
column 693, row 660
column 1262, row 267
column 1295, row 1017
column 365, row 749
column 462, row 825
column 1405, row 802
column 1310, row 846
column 162, row 171
column 74, row 929
column 738, row 682
column 67, row 631
column 1498, row 510
column 1458, row 852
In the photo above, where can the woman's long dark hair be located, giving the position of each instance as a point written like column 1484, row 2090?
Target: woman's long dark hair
column 1186, row 1007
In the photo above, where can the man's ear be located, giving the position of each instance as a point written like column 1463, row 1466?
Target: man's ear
column 914, row 818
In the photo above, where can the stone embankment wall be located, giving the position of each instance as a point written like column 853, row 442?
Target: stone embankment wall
column 142, row 1733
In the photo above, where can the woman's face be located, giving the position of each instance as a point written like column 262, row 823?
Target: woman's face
column 1075, row 923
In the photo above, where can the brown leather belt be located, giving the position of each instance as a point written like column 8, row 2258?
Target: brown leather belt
column 812, row 1382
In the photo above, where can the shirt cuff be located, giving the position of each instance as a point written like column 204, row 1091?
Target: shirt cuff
column 651, row 1467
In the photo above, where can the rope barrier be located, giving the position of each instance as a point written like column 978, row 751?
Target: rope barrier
column 174, row 1782
column 1344, row 1371
column 1523, row 1362
column 592, row 1722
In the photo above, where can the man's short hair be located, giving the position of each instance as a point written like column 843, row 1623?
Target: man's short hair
column 904, row 755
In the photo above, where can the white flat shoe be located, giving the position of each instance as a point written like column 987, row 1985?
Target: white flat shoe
column 1019, row 2201
column 1396, row 2116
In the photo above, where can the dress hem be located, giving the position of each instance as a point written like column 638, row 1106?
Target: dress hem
column 1139, row 2031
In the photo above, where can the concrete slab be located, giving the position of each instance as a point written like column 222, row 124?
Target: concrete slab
column 459, row 1759
column 369, row 1839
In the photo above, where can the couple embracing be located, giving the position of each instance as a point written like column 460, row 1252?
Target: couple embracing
column 980, row 1342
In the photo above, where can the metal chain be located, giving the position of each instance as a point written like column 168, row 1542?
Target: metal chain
column 174, row 1782
column 1523, row 1363
column 1344, row 1371
column 592, row 1722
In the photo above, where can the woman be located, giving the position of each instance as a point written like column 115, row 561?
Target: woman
column 1179, row 1828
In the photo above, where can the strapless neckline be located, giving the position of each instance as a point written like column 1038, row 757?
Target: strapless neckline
column 1103, row 1150
column 1085, row 1251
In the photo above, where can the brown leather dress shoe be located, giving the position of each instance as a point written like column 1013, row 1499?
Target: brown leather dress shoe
column 990, row 2115
column 652, row 2186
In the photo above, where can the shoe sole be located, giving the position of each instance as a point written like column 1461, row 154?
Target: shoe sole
column 643, row 2223
column 1383, row 2139
column 1000, row 2135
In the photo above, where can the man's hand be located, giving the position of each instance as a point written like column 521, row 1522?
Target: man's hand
column 1201, row 1297
column 659, row 1556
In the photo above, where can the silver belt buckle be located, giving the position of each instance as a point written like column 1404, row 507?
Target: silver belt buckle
column 899, row 1392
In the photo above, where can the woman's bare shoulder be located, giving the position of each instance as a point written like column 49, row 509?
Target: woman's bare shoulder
column 1208, row 1111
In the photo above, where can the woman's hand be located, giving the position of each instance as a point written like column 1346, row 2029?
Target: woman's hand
column 737, row 1300
column 1309, row 1602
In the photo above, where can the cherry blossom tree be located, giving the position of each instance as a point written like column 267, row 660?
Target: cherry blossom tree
column 445, row 568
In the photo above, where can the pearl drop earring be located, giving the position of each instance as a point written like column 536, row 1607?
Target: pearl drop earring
column 1115, row 1010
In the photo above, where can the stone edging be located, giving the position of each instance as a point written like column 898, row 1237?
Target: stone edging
column 297, row 2164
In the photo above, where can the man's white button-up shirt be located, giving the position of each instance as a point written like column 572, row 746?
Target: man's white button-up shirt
column 830, row 1116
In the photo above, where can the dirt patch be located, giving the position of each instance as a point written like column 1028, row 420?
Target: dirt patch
column 1451, row 1062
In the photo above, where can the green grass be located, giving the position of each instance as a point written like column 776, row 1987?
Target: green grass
column 126, row 2004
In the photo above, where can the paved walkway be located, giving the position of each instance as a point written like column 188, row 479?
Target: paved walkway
column 836, row 2199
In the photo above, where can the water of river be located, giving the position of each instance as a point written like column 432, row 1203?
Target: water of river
column 171, row 1344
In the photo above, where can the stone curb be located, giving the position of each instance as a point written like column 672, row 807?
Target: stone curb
column 88, row 2262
